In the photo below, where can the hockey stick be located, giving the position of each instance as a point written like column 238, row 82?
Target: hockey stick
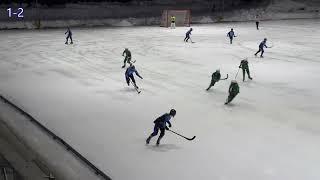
column 135, row 87
column 190, row 139
column 225, row 78
column 237, row 73
column 191, row 40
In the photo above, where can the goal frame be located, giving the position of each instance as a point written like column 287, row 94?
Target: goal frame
column 166, row 22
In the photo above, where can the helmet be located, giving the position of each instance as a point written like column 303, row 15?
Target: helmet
column 265, row 39
column 234, row 81
column 172, row 112
column 231, row 29
column 191, row 29
column 126, row 48
column 218, row 70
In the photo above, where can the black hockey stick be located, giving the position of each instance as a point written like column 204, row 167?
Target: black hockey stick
column 135, row 87
column 237, row 73
column 190, row 139
column 225, row 78
column 191, row 40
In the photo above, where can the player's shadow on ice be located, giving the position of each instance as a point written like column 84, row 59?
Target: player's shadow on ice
column 163, row 147
column 128, row 89
column 215, row 92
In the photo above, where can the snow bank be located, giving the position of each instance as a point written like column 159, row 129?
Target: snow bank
column 61, row 163
column 73, row 23
column 141, row 16
column 270, row 131
column 286, row 6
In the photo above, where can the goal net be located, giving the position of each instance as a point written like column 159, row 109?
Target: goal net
column 183, row 17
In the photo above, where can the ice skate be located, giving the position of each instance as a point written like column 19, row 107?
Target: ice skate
column 148, row 139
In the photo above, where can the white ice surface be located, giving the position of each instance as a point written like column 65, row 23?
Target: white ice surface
column 270, row 132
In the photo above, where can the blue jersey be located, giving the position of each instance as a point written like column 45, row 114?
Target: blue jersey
column 263, row 44
column 163, row 120
column 189, row 32
column 131, row 70
column 231, row 34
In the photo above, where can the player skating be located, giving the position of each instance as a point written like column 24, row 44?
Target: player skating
column 233, row 91
column 231, row 35
column 244, row 65
column 161, row 124
column 173, row 22
column 261, row 47
column 69, row 36
column 129, row 76
column 188, row 35
column 127, row 58
column 215, row 77
column 257, row 22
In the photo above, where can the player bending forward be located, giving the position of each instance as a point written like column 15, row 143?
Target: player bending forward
column 245, row 68
column 129, row 75
column 215, row 77
column 161, row 124
column 233, row 91
column 187, row 35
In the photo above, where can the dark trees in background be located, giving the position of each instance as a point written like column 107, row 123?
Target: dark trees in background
column 60, row 2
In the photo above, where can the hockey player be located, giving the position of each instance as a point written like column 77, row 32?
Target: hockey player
column 161, row 124
column 173, row 22
column 233, row 91
column 245, row 68
column 261, row 46
column 129, row 75
column 231, row 35
column 188, row 35
column 215, row 77
column 69, row 35
column 127, row 59
column 257, row 22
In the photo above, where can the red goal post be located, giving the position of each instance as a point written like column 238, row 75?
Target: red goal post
column 183, row 17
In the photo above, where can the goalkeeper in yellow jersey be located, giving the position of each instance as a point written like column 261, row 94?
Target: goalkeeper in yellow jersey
column 173, row 22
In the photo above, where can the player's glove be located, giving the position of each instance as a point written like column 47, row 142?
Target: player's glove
column 167, row 128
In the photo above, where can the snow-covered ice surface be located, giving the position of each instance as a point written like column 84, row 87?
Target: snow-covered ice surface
column 270, row 131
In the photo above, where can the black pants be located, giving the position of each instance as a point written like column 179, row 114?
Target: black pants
column 244, row 73
column 127, row 59
column 187, row 38
column 260, row 50
column 211, row 84
column 257, row 25
column 231, row 97
column 67, row 38
column 132, row 79
column 155, row 132
column 231, row 39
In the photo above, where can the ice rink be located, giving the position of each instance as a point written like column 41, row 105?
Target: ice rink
column 270, row 131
